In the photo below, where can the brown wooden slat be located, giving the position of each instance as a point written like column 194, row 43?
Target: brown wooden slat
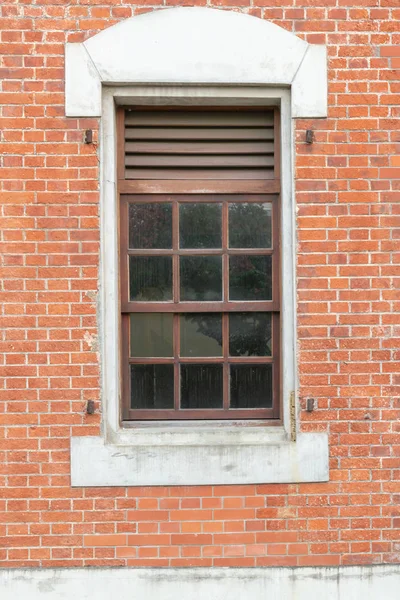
column 183, row 118
column 196, row 307
column 203, row 147
column 211, row 413
column 197, row 133
column 253, row 360
column 200, row 252
column 243, row 198
column 186, row 158
column 183, row 161
column 169, row 173
column 195, row 186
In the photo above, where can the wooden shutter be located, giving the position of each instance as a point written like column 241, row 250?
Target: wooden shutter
column 199, row 144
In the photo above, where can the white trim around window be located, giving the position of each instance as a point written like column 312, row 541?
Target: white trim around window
column 194, row 453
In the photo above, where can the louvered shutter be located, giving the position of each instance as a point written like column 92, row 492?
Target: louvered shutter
column 199, row 144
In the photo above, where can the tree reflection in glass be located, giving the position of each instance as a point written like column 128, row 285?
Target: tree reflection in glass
column 250, row 334
column 250, row 225
column 150, row 226
column 250, row 277
column 201, row 278
column 201, row 334
column 200, row 225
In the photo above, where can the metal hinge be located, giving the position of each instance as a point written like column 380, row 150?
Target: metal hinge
column 293, row 428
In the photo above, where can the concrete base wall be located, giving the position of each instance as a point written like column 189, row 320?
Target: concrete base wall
column 381, row 582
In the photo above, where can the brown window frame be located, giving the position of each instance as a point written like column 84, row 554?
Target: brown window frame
column 175, row 192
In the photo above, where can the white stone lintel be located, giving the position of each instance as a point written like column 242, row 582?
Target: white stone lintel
column 190, row 45
column 82, row 83
column 310, row 85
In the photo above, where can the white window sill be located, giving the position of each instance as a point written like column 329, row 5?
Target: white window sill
column 209, row 456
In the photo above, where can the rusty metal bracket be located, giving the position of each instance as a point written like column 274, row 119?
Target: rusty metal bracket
column 309, row 136
column 310, row 404
column 89, row 136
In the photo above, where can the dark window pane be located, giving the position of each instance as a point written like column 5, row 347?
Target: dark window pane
column 201, row 386
column 201, row 334
column 152, row 386
column 200, row 225
column 150, row 278
column 250, row 334
column 251, row 386
column 150, row 225
column 201, row 278
column 250, row 278
column 250, row 225
column 151, row 334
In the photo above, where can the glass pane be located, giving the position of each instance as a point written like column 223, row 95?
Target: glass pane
column 151, row 334
column 150, row 225
column 200, row 225
column 251, row 386
column 150, row 278
column 250, row 278
column 152, row 386
column 250, row 334
column 201, row 386
column 201, row 334
column 201, row 278
column 250, row 225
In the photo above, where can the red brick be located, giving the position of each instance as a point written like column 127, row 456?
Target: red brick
column 347, row 190
column 105, row 540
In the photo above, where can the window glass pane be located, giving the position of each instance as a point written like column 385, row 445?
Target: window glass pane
column 201, row 278
column 200, row 226
column 152, row 386
column 250, row 277
column 150, row 278
column 250, row 225
column 151, row 334
column 250, row 334
column 251, row 386
column 201, row 334
column 201, row 386
column 150, row 225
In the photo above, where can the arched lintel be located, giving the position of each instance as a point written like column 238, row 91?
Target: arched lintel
column 195, row 46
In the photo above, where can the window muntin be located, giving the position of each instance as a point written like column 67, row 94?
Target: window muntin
column 206, row 308
column 205, row 266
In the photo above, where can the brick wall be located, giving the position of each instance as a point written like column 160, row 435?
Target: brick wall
column 347, row 186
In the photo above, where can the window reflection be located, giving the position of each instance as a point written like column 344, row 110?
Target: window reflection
column 201, row 334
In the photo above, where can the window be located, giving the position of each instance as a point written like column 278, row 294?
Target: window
column 259, row 65
column 199, row 272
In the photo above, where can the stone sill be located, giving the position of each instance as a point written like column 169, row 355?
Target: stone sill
column 96, row 464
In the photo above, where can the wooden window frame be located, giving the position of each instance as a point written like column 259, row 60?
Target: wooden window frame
column 250, row 190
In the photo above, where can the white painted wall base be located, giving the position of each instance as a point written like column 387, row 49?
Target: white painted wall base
column 380, row 582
